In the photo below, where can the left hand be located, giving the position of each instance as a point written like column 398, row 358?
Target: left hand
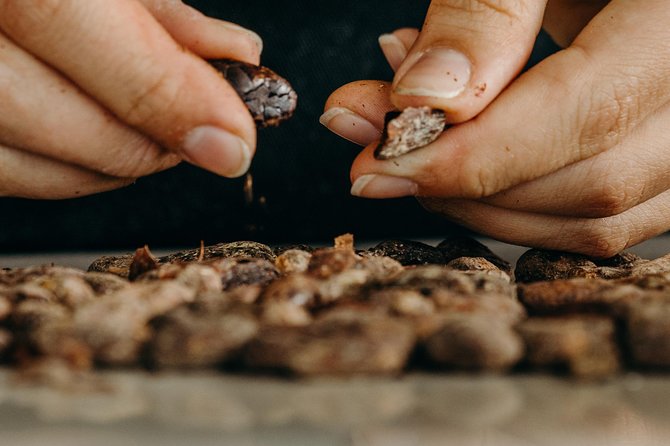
column 97, row 93
column 572, row 155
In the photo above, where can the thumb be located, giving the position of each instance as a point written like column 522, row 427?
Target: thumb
column 467, row 52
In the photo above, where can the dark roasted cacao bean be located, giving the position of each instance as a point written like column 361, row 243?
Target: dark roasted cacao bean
column 268, row 96
column 538, row 265
column 408, row 252
column 117, row 265
column 461, row 246
column 252, row 250
column 411, row 129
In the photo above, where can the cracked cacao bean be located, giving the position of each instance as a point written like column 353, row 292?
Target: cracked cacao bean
column 411, row 129
column 269, row 97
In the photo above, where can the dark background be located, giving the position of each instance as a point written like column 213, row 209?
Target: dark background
column 301, row 168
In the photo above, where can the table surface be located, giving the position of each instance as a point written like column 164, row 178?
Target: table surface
column 207, row 408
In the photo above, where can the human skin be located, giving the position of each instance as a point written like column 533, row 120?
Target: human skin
column 96, row 93
column 571, row 155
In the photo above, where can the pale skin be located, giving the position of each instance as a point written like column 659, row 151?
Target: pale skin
column 95, row 93
column 572, row 155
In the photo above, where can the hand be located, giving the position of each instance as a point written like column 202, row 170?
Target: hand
column 572, row 155
column 94, row 94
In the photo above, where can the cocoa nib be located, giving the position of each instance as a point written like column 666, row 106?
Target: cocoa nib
column 268, row 96
column 411, row 129
column 143, row 261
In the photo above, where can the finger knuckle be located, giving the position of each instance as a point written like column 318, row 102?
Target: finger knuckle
column 476, row 178
column 606, row 202
column 607, row 112
column 602, row 238
column 133, row 160
column 22, row 18
column 147, row 102
column 612, row 196
column 606, row 118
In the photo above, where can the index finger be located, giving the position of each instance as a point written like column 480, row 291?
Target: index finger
column 207, row 37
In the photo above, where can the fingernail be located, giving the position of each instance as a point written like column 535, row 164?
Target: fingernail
column 437, row 72
column 382, row 186
column 393, row 49
column 217, row 150
column 350, row 126
column 256, row 38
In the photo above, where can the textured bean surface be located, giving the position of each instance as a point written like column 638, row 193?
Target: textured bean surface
column 268, row 96
column 411, row 129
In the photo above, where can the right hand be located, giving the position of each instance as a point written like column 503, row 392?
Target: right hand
column 96, row 93
column 572, row 155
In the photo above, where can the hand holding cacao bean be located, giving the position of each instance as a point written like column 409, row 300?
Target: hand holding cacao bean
column 571, row 155
column 98, row 93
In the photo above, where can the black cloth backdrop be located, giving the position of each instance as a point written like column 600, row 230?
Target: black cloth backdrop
column 301, row 169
